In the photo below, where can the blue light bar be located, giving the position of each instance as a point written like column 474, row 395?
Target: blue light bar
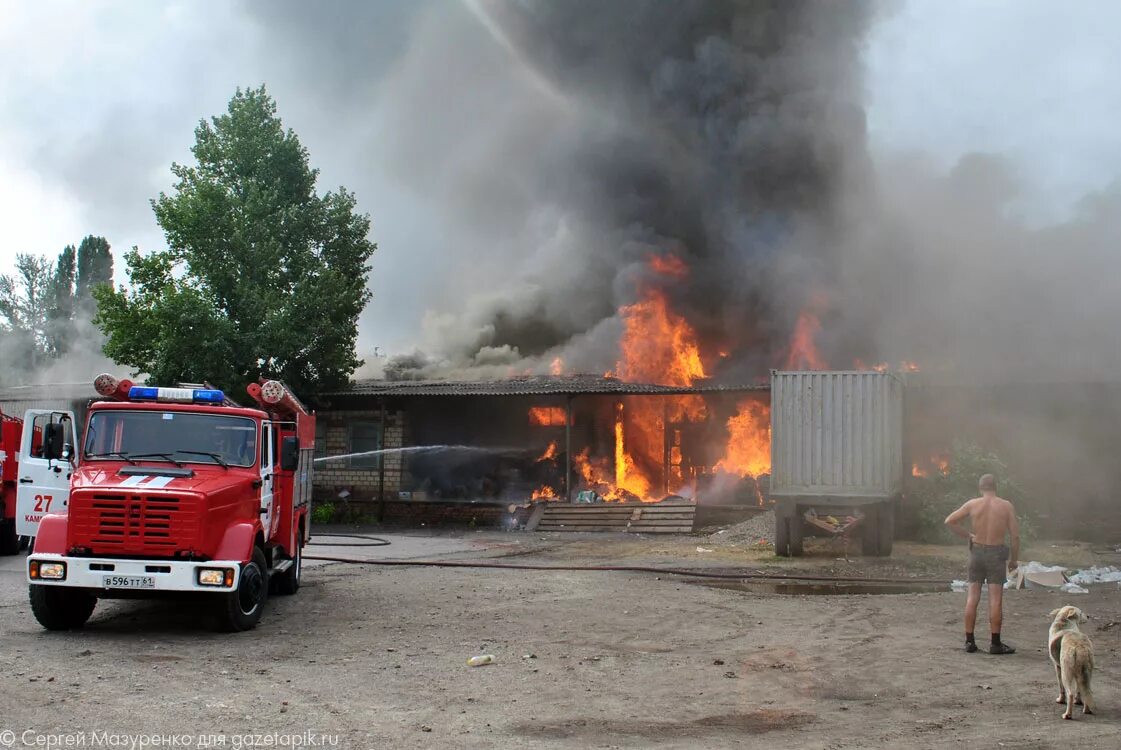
column 177, row 395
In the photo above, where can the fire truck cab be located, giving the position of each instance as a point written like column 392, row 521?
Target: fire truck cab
column 36, row 463
column 180, row 492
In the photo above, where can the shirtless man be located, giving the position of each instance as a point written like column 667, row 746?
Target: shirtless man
column 989, row 561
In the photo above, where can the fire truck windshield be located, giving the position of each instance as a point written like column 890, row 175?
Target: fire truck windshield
column 178, row 437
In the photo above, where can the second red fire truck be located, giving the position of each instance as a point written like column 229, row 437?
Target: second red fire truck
column 179, row 491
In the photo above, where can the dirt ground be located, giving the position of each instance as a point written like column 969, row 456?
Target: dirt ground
column 375, row 657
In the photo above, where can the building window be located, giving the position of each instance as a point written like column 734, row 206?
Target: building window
column 364, row 437
column 320, row 439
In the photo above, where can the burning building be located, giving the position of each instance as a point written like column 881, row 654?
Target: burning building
column 548, row 438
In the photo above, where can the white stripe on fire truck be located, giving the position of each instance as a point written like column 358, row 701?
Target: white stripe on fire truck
column 159, row 482
column 135, row 480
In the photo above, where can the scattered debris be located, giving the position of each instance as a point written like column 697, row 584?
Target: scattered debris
column 1105, row 574
column 479, row 661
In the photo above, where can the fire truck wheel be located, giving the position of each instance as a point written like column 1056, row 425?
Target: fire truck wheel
column 241, row 609
column 288, row 582
column 9, row 541
column 58, row 608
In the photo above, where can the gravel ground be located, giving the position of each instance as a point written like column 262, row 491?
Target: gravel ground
column 376, row 658
column 754, row 530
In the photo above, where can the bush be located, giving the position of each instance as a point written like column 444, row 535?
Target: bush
column 940, row 494
column 322, row 512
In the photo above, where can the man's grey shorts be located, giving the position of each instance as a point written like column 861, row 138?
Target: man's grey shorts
column 988, row 563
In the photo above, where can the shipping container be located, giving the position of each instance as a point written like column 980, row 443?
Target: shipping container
column 836, row 442
column 836, row 434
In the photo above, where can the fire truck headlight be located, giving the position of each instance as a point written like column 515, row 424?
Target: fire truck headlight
column 215, row 577
column 48, row 571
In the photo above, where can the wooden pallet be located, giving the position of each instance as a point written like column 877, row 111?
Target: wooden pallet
column 636, row 518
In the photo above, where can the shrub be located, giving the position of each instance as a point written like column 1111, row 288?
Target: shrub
column 322, row 512
column 940, row 494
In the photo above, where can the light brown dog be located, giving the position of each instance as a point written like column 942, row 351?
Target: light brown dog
column 1073, row 656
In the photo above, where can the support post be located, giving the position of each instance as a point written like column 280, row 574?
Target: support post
column 568, row 449
column 381, row 465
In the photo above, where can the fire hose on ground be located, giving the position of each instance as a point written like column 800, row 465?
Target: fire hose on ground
column 684, row 572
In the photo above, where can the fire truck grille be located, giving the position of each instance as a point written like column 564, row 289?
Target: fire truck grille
column 134, row 524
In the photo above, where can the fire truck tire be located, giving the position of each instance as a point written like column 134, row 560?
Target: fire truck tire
column 241, row 609
column 288, row 582
column 9, row 541
column 58, row 608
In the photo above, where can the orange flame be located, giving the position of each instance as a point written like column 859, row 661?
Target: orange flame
column 749, row 440
column 658, row 346
column 939, row 461
column 546, row 416
column 556, row 367
column 803, row 345
column 544, row 492
column 549, row 454
column 669, row 265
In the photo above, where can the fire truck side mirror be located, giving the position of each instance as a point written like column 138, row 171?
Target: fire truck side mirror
column 289, row 454
column 53, row 435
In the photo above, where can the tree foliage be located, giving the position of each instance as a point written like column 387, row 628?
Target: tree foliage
column 262, row 276
column 941, row 493
column 25, row 303
column 94, row 267
column 45, row 306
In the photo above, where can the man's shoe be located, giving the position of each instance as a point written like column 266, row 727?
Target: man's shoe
column 1001, row 648
column 970, row 647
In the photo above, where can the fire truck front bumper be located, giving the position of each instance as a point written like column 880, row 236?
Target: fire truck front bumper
column 112, row 576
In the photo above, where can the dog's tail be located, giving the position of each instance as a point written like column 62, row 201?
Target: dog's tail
column 1083, row 679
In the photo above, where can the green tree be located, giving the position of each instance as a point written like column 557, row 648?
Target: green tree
column 94, row 268
column 263, row 277
column 24, row 303
column 60, row 305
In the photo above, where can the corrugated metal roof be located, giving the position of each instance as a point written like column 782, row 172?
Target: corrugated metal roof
column 531, row 385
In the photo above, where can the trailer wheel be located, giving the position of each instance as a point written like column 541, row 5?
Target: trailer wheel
column 886, row 530
column 782, row 534
column 241, row 609
column 797, row 534
column 870, row 535
column 288, row 582
column 59, row 607
column 9, row 541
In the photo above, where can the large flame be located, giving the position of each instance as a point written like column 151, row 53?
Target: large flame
column 749, row 440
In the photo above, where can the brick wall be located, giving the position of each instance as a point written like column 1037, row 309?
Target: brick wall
column 331, row 477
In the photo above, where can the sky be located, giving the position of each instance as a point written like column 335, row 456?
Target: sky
column 97, row 99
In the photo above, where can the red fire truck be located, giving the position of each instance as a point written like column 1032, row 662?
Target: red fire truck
column 34, row 473
column 180, row 491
